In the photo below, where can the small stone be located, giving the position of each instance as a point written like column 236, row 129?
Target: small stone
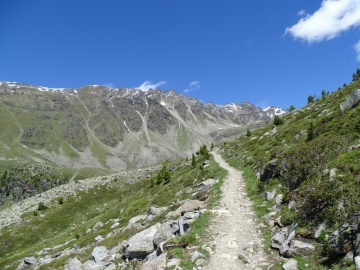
column 357, row 262
column 98, row 225
column 114, row 225
column 99, row 238
column 30, row 260
column 291, row 264
column 196, row 255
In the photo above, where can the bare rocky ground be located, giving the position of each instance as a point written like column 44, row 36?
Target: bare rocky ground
column 238, row 244
column 12, row 214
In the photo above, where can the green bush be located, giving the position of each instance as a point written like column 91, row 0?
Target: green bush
column 277, row 120
column 42, row 206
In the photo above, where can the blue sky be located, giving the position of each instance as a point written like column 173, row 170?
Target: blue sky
column 264, row 52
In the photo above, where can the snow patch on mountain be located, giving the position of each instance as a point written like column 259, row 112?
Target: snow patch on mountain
column 274, row 111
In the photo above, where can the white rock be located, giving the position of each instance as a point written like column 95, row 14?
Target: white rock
column 290, row 265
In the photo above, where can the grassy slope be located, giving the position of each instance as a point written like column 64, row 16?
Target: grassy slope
column 63, row 222
column 309, row 141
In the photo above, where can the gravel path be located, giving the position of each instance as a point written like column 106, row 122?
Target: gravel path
column 238, row 244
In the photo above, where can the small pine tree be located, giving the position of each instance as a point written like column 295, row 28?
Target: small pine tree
column 311, row 99
column 310, row 132
column 277, row 120
column 193, row 161
column 163, row 175
column 323, row 93
column 212, row 146
column 292, row 108
column 248, row 133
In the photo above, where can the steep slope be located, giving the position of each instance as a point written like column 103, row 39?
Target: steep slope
column 96, row 126
column 307, row 170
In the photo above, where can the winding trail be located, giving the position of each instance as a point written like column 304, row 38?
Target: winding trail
column 238, row 243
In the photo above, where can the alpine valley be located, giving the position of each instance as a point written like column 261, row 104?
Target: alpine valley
column 114, row 128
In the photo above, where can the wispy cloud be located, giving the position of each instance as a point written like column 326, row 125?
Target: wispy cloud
column 109, row 85
column 357, row 50
column 302, row 13
column 328, row 22
column 147, row 85
column 194, row 85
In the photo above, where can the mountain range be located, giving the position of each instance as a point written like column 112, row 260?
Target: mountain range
column 117, row 128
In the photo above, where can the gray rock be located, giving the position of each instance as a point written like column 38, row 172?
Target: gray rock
column 285, row 246
column 279, row 199
column 181, row 226
column 200, row 262
column 114, row 225
column 133, row 221
column 188, row 206
column 154, row 212
column 163, row 234
column 291, row 264
column 319, row 229
column 89, row 265
column 99, row 238
column 74, row 264
column 278, row 239
column 159, row 263
column 351, row 101
column 298, row 247
column 30, row 260
column 99, row 254
column 332, row 174
column 357, row 262
column 141, row 244
column 196, row 255
column 43, row 261
column 173, row 262
column 98, row 225
column 191, row 215
column 269, row 195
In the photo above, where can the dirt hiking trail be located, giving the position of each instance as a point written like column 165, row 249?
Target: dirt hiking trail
column 238, row 243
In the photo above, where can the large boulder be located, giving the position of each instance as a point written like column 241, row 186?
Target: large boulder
column 278, row 239
column 300, row 248
column 285, row 246
column 346, row 237
column 268, row 172
column 163, row 233
column 73, row 264
column 141, row 244
column 188, row 206
column 159, row 263
column 351, row 101
column 99, row 253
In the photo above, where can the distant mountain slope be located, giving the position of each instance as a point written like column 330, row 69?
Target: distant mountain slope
column 117, row 128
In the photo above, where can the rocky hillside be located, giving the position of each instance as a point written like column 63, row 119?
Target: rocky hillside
column 118, row 128
column 307, row 179
column 144, row 218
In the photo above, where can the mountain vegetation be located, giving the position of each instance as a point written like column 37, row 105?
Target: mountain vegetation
column 311, row 160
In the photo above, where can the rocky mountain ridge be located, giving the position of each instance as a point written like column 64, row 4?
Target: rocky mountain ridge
column 97, row 126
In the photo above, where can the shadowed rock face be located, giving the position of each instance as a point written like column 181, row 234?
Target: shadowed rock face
column 110, row 127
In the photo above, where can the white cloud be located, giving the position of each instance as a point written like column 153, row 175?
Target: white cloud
column 332, row 18
column 302, row 13
column 194, row 85
column 357, row 50
column 147, row 85
column 109, row 85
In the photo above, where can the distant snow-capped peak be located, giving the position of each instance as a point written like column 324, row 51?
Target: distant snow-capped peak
column 273, row 111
